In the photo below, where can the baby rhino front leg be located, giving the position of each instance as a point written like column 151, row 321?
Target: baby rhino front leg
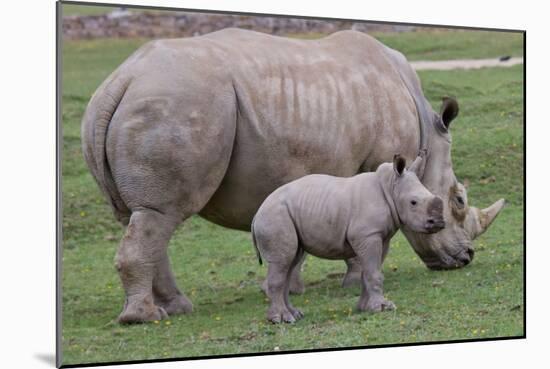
column 370, row 251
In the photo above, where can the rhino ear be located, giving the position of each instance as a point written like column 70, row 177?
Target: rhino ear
column 449, row 110
column 399, row 164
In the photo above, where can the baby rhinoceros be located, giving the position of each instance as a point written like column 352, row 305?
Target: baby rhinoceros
column 339, row 218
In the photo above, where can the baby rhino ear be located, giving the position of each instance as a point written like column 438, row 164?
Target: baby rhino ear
column 398, row 164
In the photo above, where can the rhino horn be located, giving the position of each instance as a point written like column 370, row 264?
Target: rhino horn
column 418, row 165
column 487, row 216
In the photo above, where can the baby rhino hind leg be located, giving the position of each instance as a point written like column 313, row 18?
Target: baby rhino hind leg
column 297, row 286
column 276, row 240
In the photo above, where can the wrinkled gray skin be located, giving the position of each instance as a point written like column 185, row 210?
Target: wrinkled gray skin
column 339, row 218
column 212, row 125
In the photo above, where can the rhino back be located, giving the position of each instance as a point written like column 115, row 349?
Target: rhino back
column 319, row 104
column 290, row 107
column 320, row 209
column 334, row 105
column 325, row 209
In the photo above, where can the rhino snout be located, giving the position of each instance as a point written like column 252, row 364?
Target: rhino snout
column 435, row 208
column 435, row 221
column 460, row 260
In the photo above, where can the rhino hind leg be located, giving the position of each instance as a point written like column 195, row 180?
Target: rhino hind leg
column 168, row 156
column 297, row 286
column 165, row 291
column 277, row 242
column 295, row 267
column 142, row 248
column 277, row 289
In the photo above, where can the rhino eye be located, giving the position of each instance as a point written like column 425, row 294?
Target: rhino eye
column 413, row 202
column 460, row 200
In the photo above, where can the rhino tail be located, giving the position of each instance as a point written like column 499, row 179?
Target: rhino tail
column 255, row 243
column 95, row 125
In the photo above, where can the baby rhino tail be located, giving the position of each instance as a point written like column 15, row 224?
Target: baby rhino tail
column 255, row 243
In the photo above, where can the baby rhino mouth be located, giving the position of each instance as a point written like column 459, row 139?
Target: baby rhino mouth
column 434, row 225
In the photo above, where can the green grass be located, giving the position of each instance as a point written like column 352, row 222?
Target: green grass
column 83, row 10
column 439, row 44
column 86, row 10
column 219, row 271
column 442, row 45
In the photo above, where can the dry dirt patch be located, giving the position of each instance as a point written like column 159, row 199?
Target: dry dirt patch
column 465, row 64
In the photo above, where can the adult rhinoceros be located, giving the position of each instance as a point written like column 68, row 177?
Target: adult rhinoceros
column 212, row 125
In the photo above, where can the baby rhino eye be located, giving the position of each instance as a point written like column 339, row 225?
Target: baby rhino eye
column 460, row 200
column 413, row 202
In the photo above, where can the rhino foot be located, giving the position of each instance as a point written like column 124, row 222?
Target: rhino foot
column 139, row 310
column 296, row 313
column 178, row 304
column 277, row 316
column 376, row 305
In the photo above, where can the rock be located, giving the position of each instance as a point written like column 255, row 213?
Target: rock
column 125, row 23
column 119, row 13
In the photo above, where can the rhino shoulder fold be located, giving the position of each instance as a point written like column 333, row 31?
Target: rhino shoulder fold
column 412, row 83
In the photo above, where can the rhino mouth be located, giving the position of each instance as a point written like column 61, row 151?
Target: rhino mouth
column 447, row 262
column 434, row 225
column 439, row 253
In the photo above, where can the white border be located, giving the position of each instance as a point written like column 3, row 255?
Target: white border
column 27, row 184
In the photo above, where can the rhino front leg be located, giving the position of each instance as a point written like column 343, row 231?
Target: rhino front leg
column 165, row 291
column 141, row 250
column 370, row 252
column 353, row 273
